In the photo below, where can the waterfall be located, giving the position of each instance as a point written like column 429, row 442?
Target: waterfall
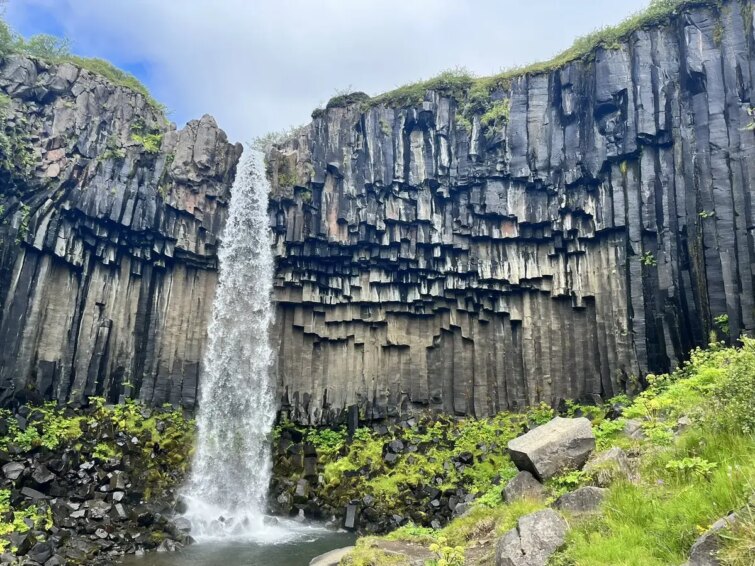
column 231, row 470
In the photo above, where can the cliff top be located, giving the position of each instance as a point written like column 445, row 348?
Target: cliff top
column 461, row 84
column 56, row 50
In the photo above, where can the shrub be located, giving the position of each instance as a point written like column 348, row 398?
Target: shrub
column 734, row 392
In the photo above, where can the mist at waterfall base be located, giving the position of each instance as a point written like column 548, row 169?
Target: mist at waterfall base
column 226, row 491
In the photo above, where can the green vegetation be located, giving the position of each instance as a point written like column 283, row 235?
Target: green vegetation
column 57, row 50
column 18, row 520
column 648, row 259
column 150, row 139
column 345, row 99
column 686, row 478
column 163, row 436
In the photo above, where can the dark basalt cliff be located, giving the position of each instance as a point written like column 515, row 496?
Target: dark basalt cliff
column 592, row 234
column 108, row 233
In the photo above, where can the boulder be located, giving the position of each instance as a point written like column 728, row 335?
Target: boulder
column 523, row 486
column 559, row 445
column 608, row 466
column 332, row 558
column 582, row 500
column 533, row 541
column 703, row 552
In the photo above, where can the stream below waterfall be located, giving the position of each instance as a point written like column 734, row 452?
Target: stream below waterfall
column 303, row 546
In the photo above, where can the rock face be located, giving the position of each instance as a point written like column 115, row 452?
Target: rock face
column 592, row 236
column 559, row 445
column 534, row 540
column 109, row 219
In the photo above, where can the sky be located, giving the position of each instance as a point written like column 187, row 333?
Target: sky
column 263, row 65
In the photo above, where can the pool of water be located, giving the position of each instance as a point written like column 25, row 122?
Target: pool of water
column 297, row 549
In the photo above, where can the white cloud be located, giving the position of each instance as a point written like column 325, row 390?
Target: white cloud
column 262, row 65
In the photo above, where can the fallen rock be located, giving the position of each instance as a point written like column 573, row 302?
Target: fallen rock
column 534, row 540
column 633, row 429
column 332, row 558
column 559, row 445
column 523, row 486
column 608, row 466
column 12, row 470
column 582, row 500
column 705, row 549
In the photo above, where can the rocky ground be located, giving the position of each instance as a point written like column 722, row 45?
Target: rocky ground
column 665, row 478
column 90, row 485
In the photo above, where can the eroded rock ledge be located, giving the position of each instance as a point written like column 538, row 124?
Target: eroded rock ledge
column 593, row 235
column 109, row 219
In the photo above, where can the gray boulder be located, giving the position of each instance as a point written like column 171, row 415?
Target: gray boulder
column 523, row 486
column 332, row 558
column 705, row 549
column 608, row 466
column 559, row 445
column 534, row 540
column 582, row 500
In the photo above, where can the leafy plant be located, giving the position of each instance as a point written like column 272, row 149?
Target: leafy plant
column 648, row 259
column 691, row 466
column 446, row 555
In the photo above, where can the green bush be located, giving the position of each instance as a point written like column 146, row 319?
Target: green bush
column 734, row 393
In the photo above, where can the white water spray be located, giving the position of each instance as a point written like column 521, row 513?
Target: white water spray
column 232, row 466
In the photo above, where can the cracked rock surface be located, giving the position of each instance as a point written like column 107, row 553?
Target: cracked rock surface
column 590, row 238
column 109, row 219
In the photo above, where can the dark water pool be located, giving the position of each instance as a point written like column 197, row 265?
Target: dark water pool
column 296, row 552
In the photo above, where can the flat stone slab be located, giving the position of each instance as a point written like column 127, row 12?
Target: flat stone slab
column 332, row 558
column 582, row 500
column 557, row 446
column 534, row 540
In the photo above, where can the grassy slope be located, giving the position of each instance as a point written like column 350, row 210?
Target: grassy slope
column 688, row 479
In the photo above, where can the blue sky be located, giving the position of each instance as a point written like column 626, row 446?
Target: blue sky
column 264, row 65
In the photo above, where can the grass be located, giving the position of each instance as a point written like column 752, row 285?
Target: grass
column 465, row 87
column 56, row 50
column 685, row 481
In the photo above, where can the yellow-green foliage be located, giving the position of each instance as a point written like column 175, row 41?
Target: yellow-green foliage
column 15, row 520
column 149, row 139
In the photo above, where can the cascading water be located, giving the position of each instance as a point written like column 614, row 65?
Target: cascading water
column 231, row 470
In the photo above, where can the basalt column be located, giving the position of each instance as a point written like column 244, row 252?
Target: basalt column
column 597, row 230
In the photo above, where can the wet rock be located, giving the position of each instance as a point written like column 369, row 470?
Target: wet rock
column 351, row 518
column 582, row 500
column 534, row 540
column 559, row 445
column 301, row 494
column 332, row 558
column 40, row 552
column 523, row 486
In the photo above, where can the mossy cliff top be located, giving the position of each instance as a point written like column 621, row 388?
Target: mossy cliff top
column 56, row 50
column 465, row 87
